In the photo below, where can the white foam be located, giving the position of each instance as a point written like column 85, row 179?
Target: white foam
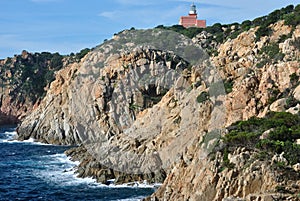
column 136, row 185
column 62, row 171
column 11, row 138
column 62, row 158
column 132, row 199
column 30, row 141
column 11, row 133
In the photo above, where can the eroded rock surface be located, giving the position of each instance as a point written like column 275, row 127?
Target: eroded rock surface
column 147, row 111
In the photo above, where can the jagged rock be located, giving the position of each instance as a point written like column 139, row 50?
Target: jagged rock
column 250, row 96
column 115, row 104
column 294, row 110
column 144, row 125
column 248, row 181
column 242, row 102
column 22, row 83
column 296, row 167
column 279, row 29
column 278, row 105
column 297, row 93
column 233, row 199
column 266, row 134
column 279, row 158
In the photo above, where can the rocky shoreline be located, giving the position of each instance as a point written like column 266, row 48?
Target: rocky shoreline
column 90, row 167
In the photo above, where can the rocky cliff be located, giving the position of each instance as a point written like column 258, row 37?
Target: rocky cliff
column 129, row 109
column 150, row 114
column 258, row 83
column 24, row 81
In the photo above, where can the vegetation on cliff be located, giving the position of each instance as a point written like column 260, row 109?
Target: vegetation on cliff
column 219, row 33
column 273, row 134
column 271, row 140
column 25, row 79
column 258, row 67
column 29, row 74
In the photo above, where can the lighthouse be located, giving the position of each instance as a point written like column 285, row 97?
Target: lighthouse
column 191, row 20
column 193, row 10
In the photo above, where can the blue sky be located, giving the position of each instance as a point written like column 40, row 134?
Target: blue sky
column 67, row 26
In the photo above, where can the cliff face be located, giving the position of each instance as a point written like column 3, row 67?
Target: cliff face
column 262, row 72
column 24, row 80
column 129, row 111
column 114, row 94
column 250, row 179
column 58, row 95
column 150, row 114
column 256, row 90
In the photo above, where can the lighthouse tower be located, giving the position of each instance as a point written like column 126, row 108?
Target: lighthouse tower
column 193, row 10
column 191, row 20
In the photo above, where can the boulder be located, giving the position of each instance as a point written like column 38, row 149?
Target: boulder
column 279, row 158
column 296, row 93
column 278, row 105
column 296, row 167
column 266, row 134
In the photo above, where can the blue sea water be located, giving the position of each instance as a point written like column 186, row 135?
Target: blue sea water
column 35, row 171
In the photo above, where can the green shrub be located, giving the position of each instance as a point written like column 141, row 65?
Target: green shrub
column 219, row 37
column 216, row 28
column 284, row 37
column 189, row 32
column 204, row 96
column 262, row 63
column 242, row 138
column 270, row 50
column 263, row 30
column 246, row 25
column 263, row 155
column 296, row 43
column 285, row 130
column 82, row 53
column 32, row 74
column 291, row 102
column 288, row 9
column 274, row 94
column 134, row 107
column 280, row 189
column 281, row 133
column 56, row 61
column 259, row 21
column 291, row 150
column 228, row 85
column 234, row 34
column 226, row 162
column 292, row 19
column 294, row 79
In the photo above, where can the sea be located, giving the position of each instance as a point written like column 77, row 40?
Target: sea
column 36, row 171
